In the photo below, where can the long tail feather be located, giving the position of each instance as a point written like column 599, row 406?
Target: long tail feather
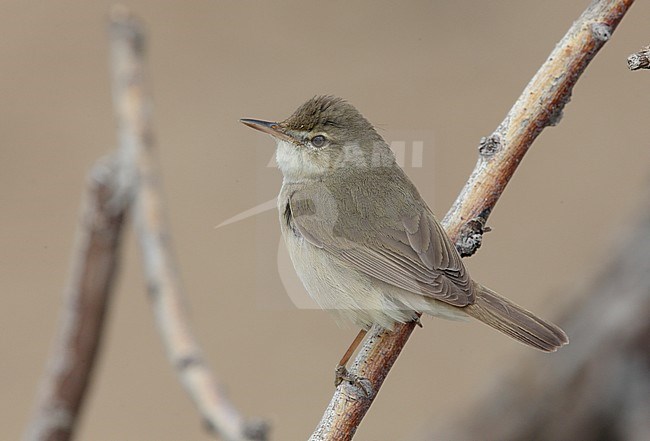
column 515, row 321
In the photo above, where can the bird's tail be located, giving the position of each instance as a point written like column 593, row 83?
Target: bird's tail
column 515, row 321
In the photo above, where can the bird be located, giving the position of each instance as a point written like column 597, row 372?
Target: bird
column 363, row 241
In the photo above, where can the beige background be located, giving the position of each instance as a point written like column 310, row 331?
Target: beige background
column 450, row 68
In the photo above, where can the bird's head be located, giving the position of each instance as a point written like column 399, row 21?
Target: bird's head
column 324, row 134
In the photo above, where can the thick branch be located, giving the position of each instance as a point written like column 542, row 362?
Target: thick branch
column 133, row 106
column 87, row 293
column 540, row 105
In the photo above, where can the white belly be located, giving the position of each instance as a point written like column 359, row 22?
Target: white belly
column 350, row 294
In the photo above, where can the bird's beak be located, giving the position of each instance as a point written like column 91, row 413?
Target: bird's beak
column 272, row 128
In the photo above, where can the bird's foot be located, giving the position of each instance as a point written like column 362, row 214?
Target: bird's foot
column 342, row 374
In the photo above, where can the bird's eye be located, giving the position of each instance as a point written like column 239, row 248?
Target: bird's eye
column 318, row 141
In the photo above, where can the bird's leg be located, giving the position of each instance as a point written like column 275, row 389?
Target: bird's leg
column 341, row 373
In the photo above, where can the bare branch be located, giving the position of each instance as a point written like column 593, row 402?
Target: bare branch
column 540, row 105
column 133, row 106
column 73, row 354
column 639, row 59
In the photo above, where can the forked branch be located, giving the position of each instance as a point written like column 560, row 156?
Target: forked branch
column 132, row 106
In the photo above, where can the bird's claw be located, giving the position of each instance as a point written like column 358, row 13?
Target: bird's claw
column 341, row 374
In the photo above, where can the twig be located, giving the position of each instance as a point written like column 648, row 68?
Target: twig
column 74, row 352
column 639, row 59
column 540, row 105
column 132, row 106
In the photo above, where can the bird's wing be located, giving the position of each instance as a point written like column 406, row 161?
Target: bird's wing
column 415, row 254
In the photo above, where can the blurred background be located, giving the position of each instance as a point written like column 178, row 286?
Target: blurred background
column 450, row 70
